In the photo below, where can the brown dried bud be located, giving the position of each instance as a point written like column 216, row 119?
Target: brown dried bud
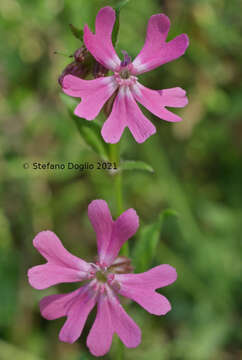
column 121, row 265
column 83, row 65
column 74, row 68
column 99, row 70
column 81, row 54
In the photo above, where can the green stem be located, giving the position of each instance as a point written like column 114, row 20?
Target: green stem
column 115, row 157
column 120, row 351
column 118, row 193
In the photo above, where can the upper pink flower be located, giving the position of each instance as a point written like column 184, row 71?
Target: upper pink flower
column 104, row 286
column 125, row 111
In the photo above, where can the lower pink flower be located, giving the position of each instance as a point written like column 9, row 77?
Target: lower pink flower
column 104, row 283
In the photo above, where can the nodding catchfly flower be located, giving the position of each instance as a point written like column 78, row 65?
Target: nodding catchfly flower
column 123, row 84
column 105, row 280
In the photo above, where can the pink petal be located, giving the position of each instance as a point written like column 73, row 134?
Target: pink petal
column 55, row 306
column 44, row 276
column 140, row 288
column 174, row 97
column 156, row 51
column 75, row 305
column 77, row 314
column 102, row 222
column 111, row 318
column 176, row 92
column 114, row 126
column 157, row 30
column 123, row 228
column 125, row 112
column 111, row 234
column 51, row 248
column 149, row 299
column 94, row 94
column 100, row 45
column 124, row 326
column 155, row 278
column 156, row 101
column 62, row 266
column 100, row 336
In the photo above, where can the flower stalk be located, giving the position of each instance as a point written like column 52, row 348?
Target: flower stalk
column 118, row 191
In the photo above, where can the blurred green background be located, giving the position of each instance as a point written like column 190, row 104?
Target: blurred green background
column 197, row 167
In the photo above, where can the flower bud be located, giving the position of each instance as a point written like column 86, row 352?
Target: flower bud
column 80, row 67
column 74, row 68
column 99, row 70
column 83, row 65
column 81, row 54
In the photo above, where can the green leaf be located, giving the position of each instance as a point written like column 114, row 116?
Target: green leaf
column 136, row 165
column 146, row 246
column 117, row 9
column 115, row 29
column 89, row 131
column 121, row 4
column 78, row 33
column 91, row 134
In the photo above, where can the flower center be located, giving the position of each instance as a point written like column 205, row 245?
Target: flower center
column 123, row 77
column 101, row 276
column 124, row 74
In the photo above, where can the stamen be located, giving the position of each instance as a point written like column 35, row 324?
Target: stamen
column 127, row 59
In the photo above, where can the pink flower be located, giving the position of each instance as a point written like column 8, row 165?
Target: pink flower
column 124, row 81
column 104, row 286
